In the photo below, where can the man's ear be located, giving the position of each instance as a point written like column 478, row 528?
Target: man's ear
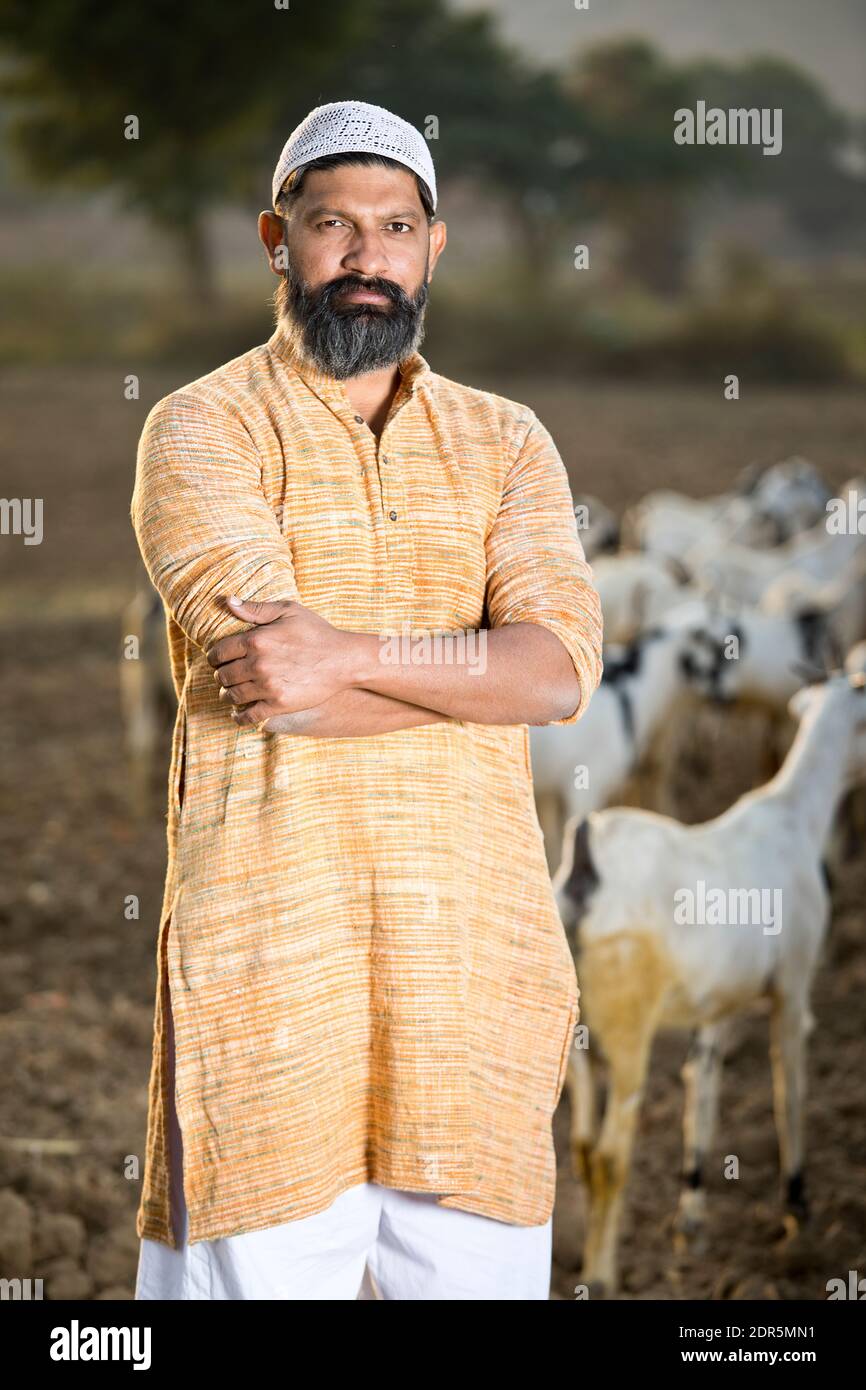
column 438, row 238
column 272, row 235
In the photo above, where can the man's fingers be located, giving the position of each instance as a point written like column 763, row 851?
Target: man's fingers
column 234, row 672
column 257, row 610
column 251, row 611
column 227, row 649
column 253, row 714
column 244, row 694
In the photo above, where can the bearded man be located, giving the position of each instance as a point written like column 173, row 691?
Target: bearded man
column 373, row 583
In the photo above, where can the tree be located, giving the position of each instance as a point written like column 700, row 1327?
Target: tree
column 816, row 175
column 199, row 79
column 634, row 174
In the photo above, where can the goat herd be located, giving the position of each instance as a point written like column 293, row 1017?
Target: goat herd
column 757, row 596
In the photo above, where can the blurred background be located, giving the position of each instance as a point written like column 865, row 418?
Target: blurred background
column 130, row 266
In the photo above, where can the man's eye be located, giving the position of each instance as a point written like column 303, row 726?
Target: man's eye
column 331, row 222
column 406, row 225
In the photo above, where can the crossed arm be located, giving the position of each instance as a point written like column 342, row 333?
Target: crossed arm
column 207, row 533
column 302, row 675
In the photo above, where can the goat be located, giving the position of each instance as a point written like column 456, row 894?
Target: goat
column 839, row 602
column 624, row 875
column 667, row 523
column 849, row 831
column 598, row 525
column 746, row 574
column 769, row 506
column 578, row 767
column 786, row 498
column 637, row 590
column 764, row 666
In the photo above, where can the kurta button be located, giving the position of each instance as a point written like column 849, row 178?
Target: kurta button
column 359, row 419
column 393, row 516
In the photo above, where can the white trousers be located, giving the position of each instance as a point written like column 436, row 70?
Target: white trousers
column 371, row 1242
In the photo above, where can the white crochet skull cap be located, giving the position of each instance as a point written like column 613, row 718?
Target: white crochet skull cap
column 351, row 127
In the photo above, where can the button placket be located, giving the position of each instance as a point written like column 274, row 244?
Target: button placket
column 399, row 544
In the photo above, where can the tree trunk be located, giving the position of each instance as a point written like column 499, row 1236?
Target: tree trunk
column 197, row 261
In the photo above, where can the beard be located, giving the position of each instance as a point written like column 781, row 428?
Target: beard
column 345, row 340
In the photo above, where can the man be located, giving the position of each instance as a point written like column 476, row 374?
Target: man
column 374, row 583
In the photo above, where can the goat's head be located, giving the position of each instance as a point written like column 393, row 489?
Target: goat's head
column 626, row 659
column 841, row 696
column 786, row 497
column 708, row 659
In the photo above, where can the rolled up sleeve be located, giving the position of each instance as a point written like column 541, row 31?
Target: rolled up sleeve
column 536, row 568
column 203, row 524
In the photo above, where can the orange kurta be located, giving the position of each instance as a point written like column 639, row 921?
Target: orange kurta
column 369, row 977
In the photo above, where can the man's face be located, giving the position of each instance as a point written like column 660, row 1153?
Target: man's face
column 359, row 258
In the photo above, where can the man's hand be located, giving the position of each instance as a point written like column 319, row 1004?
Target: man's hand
column 354, row 714
column 292, row 660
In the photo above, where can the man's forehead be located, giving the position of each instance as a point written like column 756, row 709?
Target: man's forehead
column 362, row 187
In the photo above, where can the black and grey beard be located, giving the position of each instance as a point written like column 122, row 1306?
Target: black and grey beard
column 346, row 340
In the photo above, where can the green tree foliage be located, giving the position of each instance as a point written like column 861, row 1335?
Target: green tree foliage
column 822, row 187
column 634, row 175
column 201, row 77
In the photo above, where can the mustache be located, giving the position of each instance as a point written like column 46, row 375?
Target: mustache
column 374, row 285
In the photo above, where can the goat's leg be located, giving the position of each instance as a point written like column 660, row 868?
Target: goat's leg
column 550, row 810
column 790, row 1024
column 609, row 1167
column 141, row 733
column 580, row 1081
column 625, row 981
column 702, row 1074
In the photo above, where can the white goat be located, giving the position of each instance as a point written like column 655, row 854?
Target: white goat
column 667, row 523
column 598, row 525
column 579, row 767
column 637, row 590
column 626, row 877
column 849, row 832
column 746, row 574
column 786, row 498
column 769, row 506
column 840, row 602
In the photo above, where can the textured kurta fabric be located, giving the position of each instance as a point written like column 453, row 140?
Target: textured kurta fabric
column 369, row 977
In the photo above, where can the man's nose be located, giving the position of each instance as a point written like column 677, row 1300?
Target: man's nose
column 366, row 255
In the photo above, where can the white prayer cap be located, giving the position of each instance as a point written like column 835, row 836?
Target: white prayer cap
column 349, row 127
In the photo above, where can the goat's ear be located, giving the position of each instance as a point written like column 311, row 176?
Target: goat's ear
column 801, row 700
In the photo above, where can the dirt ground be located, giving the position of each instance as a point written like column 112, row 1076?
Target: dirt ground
column 77, row 976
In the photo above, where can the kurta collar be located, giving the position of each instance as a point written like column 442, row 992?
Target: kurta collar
column 413, row 369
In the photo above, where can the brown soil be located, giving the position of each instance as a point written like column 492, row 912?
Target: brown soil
column 77, row 976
